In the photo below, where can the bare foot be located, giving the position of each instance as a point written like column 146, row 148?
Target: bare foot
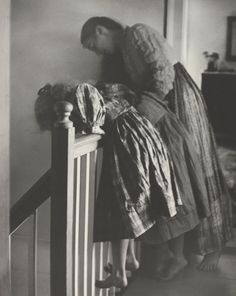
column 130, row 266
column 162, row 266
column 112, row 281
column 172, row 269
column 210, row 262
column 193, row 259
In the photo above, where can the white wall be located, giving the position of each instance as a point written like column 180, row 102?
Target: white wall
column 174, row 26
column 207, row 29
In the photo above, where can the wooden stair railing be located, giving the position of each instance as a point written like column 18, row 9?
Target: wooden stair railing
column 72, row 185
column 27, row 206
column 30, row 201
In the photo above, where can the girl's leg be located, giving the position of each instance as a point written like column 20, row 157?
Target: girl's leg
column 177, row 247
column 163, row 257
column 133, row 263
column 118, row 276
column 178, row 262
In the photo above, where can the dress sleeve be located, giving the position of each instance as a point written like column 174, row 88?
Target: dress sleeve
column 152, row 47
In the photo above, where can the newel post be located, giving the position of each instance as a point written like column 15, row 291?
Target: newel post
column 63, row 136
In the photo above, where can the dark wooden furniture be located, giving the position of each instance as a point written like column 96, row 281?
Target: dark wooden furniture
column 219, row 90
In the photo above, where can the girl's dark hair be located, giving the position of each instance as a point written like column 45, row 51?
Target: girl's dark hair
column 45, row 102
column 89, row 26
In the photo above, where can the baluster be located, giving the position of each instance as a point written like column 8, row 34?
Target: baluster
column 98, row 246
column 82, row 251
column 33, row 255
column 62, row 202
column 77, row 184
column 87, row 171
column 99, row 265
column 105, row 260
column 91, row 194
column 86, row 223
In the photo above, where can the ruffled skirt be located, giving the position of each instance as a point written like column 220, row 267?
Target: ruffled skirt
column 150, row 219
column 187, row 102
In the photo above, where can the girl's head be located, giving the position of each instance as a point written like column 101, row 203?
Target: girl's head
column 99, row 34
column 48, row 96
column 88, row 111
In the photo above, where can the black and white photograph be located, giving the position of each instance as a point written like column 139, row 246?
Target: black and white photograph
column 118, row 148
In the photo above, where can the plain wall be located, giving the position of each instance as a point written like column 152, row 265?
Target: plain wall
column 174, row 26
column 207, row 31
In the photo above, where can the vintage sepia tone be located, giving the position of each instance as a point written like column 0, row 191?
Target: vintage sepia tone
column 118, row 147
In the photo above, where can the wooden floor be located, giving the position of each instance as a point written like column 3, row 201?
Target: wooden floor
column 191, row 282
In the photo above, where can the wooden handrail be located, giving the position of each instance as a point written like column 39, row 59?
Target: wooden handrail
column 41, row 190
column 83, row 140
column 87, row 143
column 30, row 201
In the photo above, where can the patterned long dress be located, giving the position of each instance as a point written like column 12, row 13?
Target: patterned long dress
column 150, row 175
column 151, row 66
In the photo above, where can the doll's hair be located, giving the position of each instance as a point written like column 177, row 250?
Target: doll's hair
column 89, row 26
